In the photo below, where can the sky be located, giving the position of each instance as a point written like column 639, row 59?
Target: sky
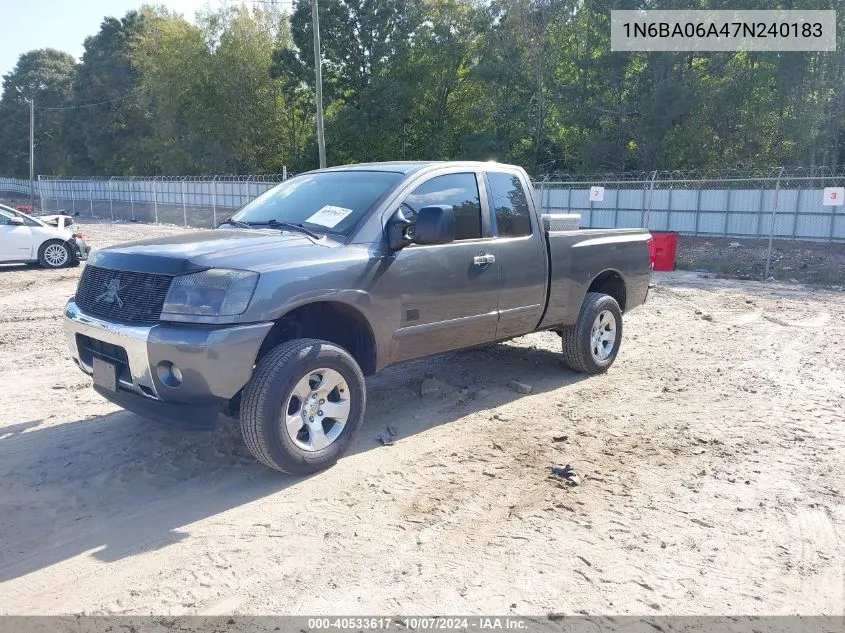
column 64, row 24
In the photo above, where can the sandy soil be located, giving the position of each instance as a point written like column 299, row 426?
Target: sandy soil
column 711, row 460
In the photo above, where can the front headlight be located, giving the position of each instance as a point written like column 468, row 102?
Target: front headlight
column 213, row 292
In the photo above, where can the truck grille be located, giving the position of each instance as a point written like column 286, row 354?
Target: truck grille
column 122, row 295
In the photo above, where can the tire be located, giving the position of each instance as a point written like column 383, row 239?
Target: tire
column 50, row 254
column 271, row 395
column 580, row 348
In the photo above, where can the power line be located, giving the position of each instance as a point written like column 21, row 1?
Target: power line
column 94, row 105
column 16, row 120
column 282, row 3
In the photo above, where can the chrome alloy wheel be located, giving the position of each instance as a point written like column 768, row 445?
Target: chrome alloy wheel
column 56, row 255
column 603, row 336
column 317, row 409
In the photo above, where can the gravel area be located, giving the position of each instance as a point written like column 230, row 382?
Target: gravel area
column 710, row 461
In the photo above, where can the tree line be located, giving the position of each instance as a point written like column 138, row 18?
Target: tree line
column 531, row 82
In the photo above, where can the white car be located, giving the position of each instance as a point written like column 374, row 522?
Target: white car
column 29, row 240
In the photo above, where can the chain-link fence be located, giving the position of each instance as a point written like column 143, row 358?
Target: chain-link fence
column 198, row 201
column 796, row 204
column 787, row 204
column 17, row 187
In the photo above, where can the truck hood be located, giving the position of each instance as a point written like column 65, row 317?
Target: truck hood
column 248, row 249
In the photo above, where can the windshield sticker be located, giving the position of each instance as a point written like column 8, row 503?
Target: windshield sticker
column 329, row 216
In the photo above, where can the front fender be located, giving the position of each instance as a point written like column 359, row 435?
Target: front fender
column 357, row 299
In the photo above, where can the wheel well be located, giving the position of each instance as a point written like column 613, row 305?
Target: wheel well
column 330, row 321
column 51, row 240
column 610, row 283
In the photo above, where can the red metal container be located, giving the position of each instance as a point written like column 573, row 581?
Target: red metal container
column 664, row 248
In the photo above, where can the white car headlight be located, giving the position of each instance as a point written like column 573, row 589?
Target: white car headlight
column 213, row 292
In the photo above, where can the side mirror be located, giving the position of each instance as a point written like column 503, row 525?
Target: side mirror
column 17, row 220
column 400, row 231
column 435, row 225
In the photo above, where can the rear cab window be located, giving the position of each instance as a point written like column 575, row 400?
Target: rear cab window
column 509, row 204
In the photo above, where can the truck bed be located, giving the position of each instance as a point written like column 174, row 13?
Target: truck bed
column 576, row 257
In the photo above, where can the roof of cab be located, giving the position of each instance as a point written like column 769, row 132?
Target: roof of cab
column 410, row 166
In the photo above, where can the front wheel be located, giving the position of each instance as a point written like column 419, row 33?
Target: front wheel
column 303, row 406
column 591, row 345
column 54, row 254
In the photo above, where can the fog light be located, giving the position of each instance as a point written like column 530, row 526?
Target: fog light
column 169, row 374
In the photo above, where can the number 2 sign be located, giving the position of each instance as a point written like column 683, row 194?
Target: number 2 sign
column 834, row 196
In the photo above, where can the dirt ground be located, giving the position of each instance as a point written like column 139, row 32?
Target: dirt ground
column 820, row 263
column 711, row 459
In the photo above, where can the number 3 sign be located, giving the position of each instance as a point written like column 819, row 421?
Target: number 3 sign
column 834, row 196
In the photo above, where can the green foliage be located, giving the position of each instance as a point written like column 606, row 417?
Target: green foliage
column 110, row 138
column 47, row 76
column 211, row 93
column 526, row 81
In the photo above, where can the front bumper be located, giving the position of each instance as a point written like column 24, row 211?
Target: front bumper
column 80, row 248
column 215, row 363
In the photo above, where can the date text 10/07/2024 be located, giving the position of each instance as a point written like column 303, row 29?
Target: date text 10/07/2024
column 420, row 623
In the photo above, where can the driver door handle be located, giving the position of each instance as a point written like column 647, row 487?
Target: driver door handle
column 483, row 259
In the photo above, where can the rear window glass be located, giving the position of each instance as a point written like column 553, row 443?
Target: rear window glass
column 509, row 204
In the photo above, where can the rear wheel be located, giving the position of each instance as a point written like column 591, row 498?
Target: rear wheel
column 303, row 406
column 591, row 345
column 54, row 254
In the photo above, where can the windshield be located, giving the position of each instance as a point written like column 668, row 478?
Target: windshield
column 328, row 202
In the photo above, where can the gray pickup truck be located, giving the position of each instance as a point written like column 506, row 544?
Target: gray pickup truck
column 277, row 315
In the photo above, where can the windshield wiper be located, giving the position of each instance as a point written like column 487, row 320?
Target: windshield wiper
column 295, row 227
column 234, row 222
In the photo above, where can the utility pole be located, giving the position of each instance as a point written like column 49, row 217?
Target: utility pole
column 404, row 136
column 318, row 71
column 31, row 103
column 32, row 156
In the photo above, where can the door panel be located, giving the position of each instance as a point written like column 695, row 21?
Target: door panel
column 15, row 240
column 521, row 253
column 447, row 300
column 447, row 293
column 522, row 285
